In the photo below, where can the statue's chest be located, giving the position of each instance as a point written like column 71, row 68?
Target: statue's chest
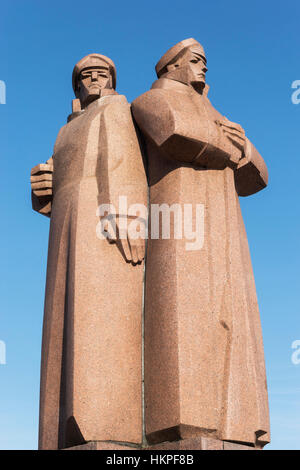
column 204, row 109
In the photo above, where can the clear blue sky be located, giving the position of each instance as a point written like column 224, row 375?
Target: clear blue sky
column 253, row 57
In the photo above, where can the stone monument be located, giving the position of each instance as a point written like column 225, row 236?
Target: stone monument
column 91, row 353
column 204, row 372
column 204, row 359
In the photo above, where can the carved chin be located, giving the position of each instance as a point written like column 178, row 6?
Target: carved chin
column 198, row 84
column 91, row 94
column 94, row 90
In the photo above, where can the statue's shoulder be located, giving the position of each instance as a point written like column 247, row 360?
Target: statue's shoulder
column 157, row 112
column 114, row 99
column 114, row 105
column 61, row 136
column 154, row 106
column 62, row 131
column 150, row 99
column 109, row 100
column 165, row 97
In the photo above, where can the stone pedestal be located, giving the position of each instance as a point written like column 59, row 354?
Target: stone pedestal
column 103, row 445
column 200, row 443
column 195, row 443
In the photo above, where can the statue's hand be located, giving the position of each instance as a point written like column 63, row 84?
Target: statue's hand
column 132, row 248
column 234, row 132
column 41, row 179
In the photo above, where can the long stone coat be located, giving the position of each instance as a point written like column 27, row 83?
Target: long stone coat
column 91, row 352
column 204, row 359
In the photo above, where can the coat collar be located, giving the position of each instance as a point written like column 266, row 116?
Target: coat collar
column 169, row 84
column 106, row 94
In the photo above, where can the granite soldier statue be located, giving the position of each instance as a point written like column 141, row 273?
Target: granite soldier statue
column 204, row 360
column 91, row 353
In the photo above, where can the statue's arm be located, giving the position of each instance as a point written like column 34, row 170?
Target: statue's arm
column 159, row 122
column 126, row 179
column 180, row 132
column 41, row 187
column 126, row 173
column 201, row 142
column 251, row 174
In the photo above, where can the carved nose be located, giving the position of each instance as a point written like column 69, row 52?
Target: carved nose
column 94, row 76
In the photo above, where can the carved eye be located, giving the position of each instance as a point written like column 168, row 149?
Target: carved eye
column 195, row 61
column 85, row 75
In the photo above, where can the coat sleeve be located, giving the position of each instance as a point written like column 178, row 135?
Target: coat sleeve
column 251, row 174
column 120, row 152
column 181, row 131
column 171, row 131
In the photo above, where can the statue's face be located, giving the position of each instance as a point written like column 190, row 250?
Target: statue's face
column 91, row 82
column 196, row 64
column 190, row 68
